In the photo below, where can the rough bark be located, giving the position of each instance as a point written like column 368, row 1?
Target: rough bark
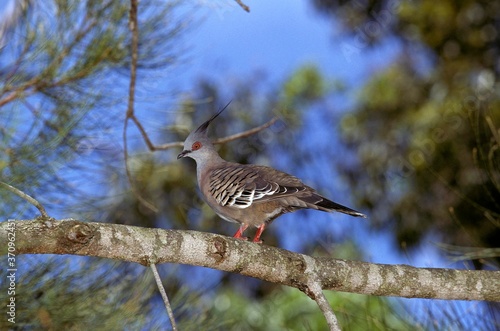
column 272, row 264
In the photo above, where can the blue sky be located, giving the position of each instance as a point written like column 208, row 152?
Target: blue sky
column 278, row 38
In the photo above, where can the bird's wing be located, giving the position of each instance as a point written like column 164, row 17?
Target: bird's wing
column 241, row 185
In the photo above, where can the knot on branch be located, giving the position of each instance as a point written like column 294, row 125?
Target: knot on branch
column 80, row 234
column 218, row 249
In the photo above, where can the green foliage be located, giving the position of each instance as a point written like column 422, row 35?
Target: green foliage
column 303, row 87
column 305, row 84
column 290, row 309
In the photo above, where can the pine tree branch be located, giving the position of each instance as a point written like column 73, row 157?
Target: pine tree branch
column 272, row 264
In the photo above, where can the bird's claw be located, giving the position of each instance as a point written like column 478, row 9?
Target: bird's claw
column 241, row 238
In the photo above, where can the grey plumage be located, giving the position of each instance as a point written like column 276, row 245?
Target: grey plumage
column 251, row 195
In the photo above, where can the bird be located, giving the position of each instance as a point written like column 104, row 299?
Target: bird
column 248, row 194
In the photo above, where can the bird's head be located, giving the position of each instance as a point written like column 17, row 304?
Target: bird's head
column 197, row 145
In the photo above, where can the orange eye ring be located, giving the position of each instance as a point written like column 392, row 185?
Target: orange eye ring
column 197, row 145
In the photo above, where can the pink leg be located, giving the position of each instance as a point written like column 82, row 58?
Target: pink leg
column 240, row 231
column 260, row 229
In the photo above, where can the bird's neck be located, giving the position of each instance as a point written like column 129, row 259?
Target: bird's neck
column 206, row 163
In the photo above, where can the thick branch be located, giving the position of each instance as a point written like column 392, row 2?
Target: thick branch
column 272, row 264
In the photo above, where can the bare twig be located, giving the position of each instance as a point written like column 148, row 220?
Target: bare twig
column 246, row 133
column 225, row 139
column 242, row 5
column 133, row 65
column 26, row 197
column 170, row 145
column 133, row 25
column 143, row 133
column 131, row 98
column 129, row 174
column 324, row 305
column 315, row 292
column 164, row 296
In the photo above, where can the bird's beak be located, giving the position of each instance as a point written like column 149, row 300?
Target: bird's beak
column 183, row 153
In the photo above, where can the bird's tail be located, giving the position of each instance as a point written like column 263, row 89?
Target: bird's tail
column 328, row 205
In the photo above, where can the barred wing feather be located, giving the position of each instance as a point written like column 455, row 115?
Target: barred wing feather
column 240, row 186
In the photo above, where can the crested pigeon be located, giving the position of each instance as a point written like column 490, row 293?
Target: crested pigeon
column 248, row 194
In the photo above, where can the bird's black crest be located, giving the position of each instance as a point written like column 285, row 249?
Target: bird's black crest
column 205, row 125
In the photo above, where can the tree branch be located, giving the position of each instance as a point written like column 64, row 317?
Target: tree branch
column 243, row 6
column 26, row 197
column 164, row 296
column 272, row 264
column 315, row 292
column 131, row 99
column 224, row 140
column 246, row 133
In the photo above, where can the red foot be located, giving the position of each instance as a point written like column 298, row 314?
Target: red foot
column 240, row 231
column 260, row 229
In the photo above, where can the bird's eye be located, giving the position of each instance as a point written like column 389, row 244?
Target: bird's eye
column 196, row 146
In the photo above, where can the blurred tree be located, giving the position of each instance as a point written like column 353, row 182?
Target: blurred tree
column 426, row 127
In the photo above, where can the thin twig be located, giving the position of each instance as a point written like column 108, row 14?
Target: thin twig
column 170, row 145
column 314, row 291
column 131, row 98
column 143, row 133
column 133, row 65
column 164, row 296
column 129, row 174
column 246, row 133
column 242, row 5
column 225, row 139
column 26, row 197
column 324, row 305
